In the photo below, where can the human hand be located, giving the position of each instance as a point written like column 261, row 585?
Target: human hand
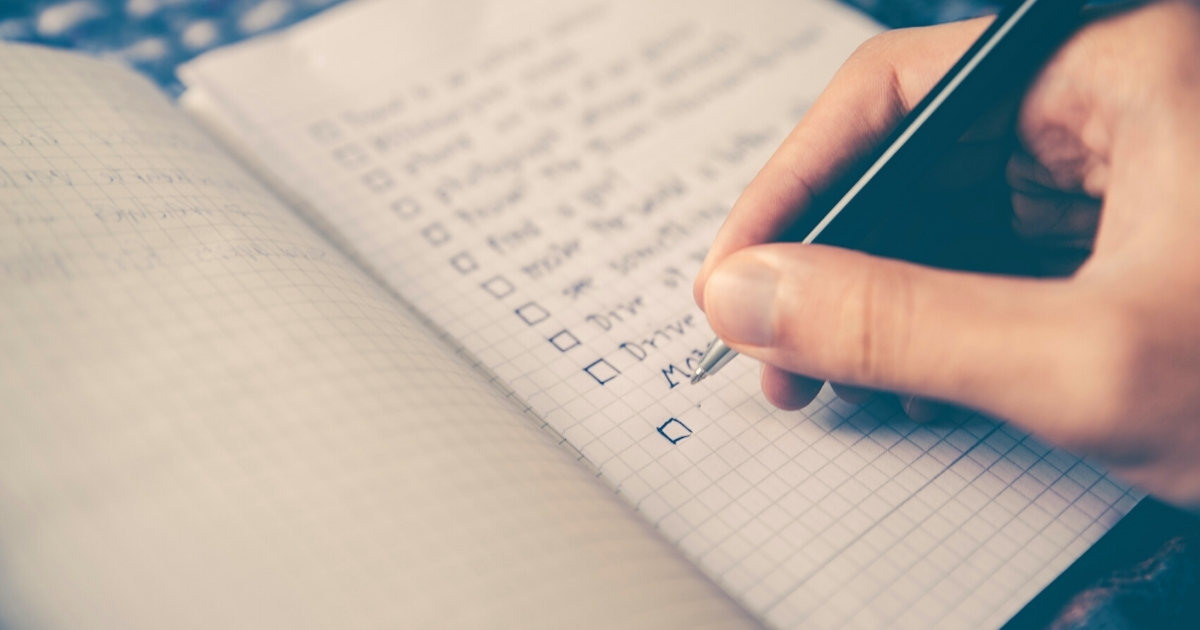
column 1105, row 362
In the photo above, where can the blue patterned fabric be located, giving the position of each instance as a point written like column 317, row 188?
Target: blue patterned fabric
column 155, row 36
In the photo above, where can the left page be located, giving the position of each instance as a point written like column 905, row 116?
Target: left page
column 209, row 418
column 542, row 179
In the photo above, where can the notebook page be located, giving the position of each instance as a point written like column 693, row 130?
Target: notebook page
column 211, row 419
column 542, row 181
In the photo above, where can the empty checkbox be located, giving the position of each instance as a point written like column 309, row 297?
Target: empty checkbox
column 564, row 341
column 602, row 371
column 378, row 180
column 406, row 208
column 350, row 156
column 498, row 286
column 532, row 313
column 464, row 263
column 674, row 430
column 436, row 234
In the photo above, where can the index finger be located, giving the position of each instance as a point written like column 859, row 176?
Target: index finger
column 880, row 83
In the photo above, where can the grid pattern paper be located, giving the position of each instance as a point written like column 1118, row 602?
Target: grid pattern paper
column 210, row 419
column 541, row 181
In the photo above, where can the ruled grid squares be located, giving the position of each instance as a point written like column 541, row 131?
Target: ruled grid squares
column 843, row 516
column 215, row 437
column 710, row 538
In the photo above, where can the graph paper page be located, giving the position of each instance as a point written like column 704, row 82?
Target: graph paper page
column 542, row 180
column 209, row 418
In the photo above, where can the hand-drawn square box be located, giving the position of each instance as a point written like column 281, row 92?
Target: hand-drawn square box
column 406, row 207
column 564, row 340
column 436, row 234
column 464, row 262
column 602, row 371
column 324, row 131
column 532, row 313
column 674, row 430
column 498, row 286
column 378, row 180
column 350, row 156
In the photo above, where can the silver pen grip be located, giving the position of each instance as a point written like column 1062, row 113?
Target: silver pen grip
column 715, row 358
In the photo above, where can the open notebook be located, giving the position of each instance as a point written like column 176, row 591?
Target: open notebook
column 400, row 340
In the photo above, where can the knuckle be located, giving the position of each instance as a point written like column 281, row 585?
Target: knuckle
column 872, row 61
column 877, row 67
column 876, row 326
column 879, row 48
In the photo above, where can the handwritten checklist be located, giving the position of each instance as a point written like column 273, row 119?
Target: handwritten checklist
column 569, row 169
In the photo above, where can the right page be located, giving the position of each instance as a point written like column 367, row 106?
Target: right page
column 541, row 180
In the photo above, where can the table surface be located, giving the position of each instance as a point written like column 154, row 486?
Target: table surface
column 1143, row 574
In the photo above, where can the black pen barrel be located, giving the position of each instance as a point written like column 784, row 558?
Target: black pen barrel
column 1002, row 60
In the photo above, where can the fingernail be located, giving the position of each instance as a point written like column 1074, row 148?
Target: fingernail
column 739, row 300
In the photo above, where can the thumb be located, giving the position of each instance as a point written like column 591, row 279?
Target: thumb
column 1006, row 346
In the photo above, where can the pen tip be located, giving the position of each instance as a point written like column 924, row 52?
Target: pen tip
column 699, row 376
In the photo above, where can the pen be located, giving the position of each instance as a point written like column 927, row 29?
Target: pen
column 1005, row 56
